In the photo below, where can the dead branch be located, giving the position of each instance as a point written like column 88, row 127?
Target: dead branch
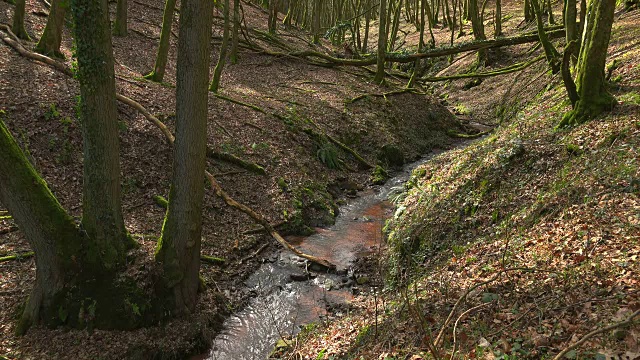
column 254, row 254
column 455, row 326
column 8, row 230
column 584, row 339
column 170, row 139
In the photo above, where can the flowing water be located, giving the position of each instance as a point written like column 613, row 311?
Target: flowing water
column 281, row 306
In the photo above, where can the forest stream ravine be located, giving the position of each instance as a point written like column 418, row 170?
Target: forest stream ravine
column 288, row 293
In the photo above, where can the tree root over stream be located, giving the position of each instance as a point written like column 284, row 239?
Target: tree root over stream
column 11, row 40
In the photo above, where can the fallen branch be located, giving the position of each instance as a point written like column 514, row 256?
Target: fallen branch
column 226, row 157
column 212, row 260
column 407, row 58
column 584, row 339
column 503, row 71
column 170, row 139
column 17, row 256
column 254, row 254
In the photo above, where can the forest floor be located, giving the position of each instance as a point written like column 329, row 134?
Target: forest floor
column 527, row 239
column 299, row 190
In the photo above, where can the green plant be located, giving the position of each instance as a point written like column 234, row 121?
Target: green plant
column 52, row 113
column 328, row 155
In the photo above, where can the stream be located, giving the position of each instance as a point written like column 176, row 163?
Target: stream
column 284, row 300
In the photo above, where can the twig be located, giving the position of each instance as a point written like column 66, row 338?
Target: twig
column 584, row 339
column 255, row 253
column 455, row 326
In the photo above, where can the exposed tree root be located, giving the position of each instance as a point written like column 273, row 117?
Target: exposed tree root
column 17, row 256
column 226, row 157
column 170, row 139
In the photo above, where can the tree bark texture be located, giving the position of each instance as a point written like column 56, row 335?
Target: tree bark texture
column 382, row 42
column 101, row 201
column 49, row 43
column 179, row 246
column 18, row 20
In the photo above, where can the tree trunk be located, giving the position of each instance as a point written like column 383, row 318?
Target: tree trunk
column 101, row 203
column 50, row 231
column 528, row 11
column 382, row 43
column 315, row 27
column 570, row 25
column 18, row 20
column 550, row 51
column 157, row 74
column 498, row 31
column 179, row 245
column 51, row 38
column 273, row 16
column 478, row 29
column 236, row 32
column 120, row 24
column 591, row 85
column 217, row 72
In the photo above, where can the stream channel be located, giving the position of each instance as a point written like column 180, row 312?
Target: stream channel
column 286, row 298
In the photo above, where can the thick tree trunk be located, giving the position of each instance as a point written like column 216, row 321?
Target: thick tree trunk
column 382, row 43
column 157, row 74
column 591, row 85
column 51, row 38
column 120, row 24
column 18, row 20
column 101, row 202
column 179, row 246
column 50, row 231
column 217, row 72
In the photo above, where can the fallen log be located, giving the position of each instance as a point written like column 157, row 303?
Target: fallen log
column 170, row 139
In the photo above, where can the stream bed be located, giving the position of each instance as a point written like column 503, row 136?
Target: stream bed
column 289, row 294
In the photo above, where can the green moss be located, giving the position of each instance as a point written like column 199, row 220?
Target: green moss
column 379, row 175
column 391, row 155
column 312, row 206
column 161, row 201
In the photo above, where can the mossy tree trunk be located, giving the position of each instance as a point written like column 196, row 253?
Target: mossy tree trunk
column 49, row 43
column 179, row 246
column 101, row 202
column 382, row 42
column 50, row 231
column 217, row 72
column 552, row 55
column 18, row 20
column 590, row 78
column 571, row 27
column 120, row 23
column 528, row 11
column 163, row 47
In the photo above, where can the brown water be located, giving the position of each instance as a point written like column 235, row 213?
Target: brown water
column 282, row 306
